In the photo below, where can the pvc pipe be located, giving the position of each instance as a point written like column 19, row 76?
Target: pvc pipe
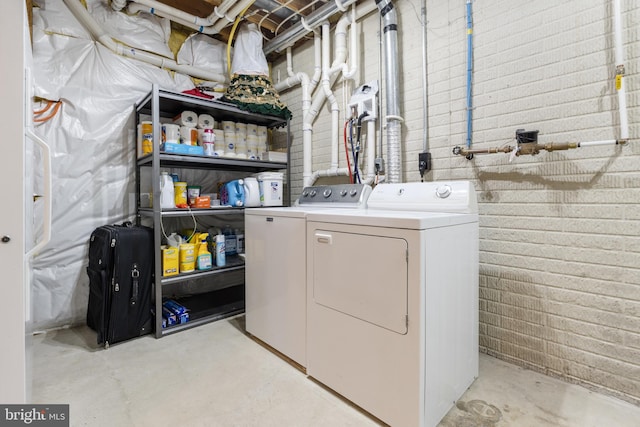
column 620, row 71
column 134, row 8
column 595, row 143
column 326, row 87
column 317, row 71
column 298, row 31
column 171, row 12
column 392, row 83
column 340, row 49
column 469, row 72
column 233, row 12
column 327, row 173
column 328, row 79
column 203, row 25
column 209, row 25
column 349, row 73
column 151, row 58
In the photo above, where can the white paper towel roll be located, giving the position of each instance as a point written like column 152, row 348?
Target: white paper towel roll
column 206, row 121
column 186, row 118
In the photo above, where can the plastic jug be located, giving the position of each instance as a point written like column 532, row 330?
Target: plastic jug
column 251, row 192
column 233, row 193
column 230, row 241
column 167, row 200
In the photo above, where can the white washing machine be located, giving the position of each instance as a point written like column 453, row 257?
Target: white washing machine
column 392, row 300
column 275, row 266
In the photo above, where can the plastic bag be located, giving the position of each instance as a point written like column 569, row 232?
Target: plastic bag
column 248, row 57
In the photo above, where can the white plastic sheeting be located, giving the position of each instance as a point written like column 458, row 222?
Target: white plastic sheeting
column 204, row 52
column 93, row 144
column 248, row 57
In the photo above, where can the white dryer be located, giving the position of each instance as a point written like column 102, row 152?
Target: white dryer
column 392, row 300
column 275, row 266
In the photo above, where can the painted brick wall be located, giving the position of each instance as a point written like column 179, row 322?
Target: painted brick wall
column 560, row 231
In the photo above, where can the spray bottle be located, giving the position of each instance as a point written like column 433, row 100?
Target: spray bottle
column 204, row 256
column 220, row 250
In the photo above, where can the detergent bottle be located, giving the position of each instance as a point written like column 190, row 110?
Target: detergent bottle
column 166, row 192
column 204, row 256
column 230, row 241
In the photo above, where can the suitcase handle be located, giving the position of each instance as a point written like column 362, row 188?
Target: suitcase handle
column 135, row 274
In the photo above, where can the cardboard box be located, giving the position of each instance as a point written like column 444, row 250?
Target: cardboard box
column 191, row 150
column 170, row 256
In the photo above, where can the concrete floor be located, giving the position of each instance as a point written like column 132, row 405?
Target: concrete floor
column 215, row 375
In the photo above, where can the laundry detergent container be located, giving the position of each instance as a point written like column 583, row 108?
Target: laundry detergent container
column 270, row 184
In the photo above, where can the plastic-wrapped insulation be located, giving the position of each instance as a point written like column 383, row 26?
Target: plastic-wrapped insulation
column 118, row 5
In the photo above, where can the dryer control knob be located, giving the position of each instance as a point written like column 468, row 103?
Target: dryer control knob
column 326, row 193
column 443, row 191
column 313, row 193
column 343, row 192
column 305, row 193
column 353, row 192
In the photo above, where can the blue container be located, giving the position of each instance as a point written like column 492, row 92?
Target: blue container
column 232, row 193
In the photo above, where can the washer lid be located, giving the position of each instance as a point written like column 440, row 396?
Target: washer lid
column 288, row 212
column 410, row 220
column 439, row 196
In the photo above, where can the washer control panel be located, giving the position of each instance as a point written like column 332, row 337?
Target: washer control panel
column 339, row 195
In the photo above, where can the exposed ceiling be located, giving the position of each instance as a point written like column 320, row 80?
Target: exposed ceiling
column 272, row 16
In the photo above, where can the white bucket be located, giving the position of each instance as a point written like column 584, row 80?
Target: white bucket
column 270, row 188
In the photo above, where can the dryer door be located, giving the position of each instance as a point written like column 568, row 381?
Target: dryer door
column 363, row 276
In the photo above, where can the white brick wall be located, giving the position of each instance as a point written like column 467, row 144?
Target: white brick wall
column 560, row 232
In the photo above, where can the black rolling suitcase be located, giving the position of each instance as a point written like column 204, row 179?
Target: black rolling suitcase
column 120, row 282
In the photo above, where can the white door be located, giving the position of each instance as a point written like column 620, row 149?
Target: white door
column 12, row 215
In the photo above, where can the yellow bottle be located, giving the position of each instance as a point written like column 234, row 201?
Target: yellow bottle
column 204, row 256
column 187, row 259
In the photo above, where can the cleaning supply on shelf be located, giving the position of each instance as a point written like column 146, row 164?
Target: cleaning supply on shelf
column 170, row 257
column 232, row 193
column 230, row 241
column 220, row 250
column 166, row 192
column 187, row 258
column 180, row 189
column 239, row 241
column 174, row 240
column 193, row 191
column 270, row 188
column 251, row 192
column 204, row 256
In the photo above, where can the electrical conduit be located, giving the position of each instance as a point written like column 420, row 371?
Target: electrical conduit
column 469, row 72
column 101, row 36
column 620, row 71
